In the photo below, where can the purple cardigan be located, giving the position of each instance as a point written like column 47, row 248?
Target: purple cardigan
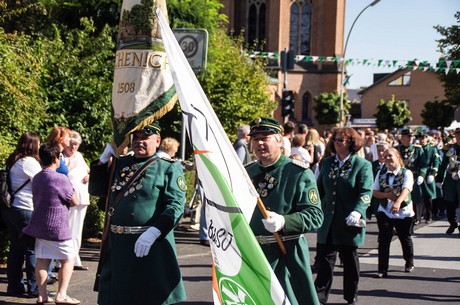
column 51, row 192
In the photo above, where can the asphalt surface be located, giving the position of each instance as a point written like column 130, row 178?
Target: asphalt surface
column 435, row 280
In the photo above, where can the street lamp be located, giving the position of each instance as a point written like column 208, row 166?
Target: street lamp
column 343, row 59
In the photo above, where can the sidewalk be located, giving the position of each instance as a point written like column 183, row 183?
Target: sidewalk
column 435, row 280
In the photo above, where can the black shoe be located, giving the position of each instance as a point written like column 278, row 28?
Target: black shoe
column 416, row 222
column 381, row 275
column 353, row 302
column 409, row 269
column 81, row 268
column 428, row 221
column 451, row 230
column 16, row 293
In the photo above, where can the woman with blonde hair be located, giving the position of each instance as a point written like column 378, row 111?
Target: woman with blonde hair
column 315, row 147
column 168, row 148
column 393, row 186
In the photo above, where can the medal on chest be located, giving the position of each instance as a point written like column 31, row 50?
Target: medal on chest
column 264, row 184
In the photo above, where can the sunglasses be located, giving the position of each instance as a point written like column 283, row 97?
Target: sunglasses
column 340, row 140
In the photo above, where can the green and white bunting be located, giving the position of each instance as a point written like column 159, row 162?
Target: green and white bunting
column 438, row 66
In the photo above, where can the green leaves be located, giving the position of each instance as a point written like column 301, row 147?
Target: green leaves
column 392, row 114
column 327, row 107
column 437, row 114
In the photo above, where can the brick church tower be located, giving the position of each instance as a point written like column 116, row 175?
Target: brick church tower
column 309, row 27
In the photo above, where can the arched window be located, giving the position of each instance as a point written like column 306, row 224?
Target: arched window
column 300, row 27
column 306, row 105
column 257, row 10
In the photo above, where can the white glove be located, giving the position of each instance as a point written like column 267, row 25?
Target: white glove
column 353, row 218
column 420, row 180
column 145, row 241
column 274, row 223
column 108, row 152
column 430, row 179
column 439, row 185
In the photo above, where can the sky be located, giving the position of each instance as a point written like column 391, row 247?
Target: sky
column 394, row 30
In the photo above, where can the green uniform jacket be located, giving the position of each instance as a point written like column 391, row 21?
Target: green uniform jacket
column 415, row 161
column 342, row 193
column 447, row 169
column 433, row 160
column 155, row 199
column 375, row 202
column 289, row 189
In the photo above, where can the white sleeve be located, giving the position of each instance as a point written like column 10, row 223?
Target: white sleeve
column 377, row 182
column 31, row 167
column 408, row 180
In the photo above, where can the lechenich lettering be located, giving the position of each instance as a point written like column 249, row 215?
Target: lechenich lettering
column 140, row 59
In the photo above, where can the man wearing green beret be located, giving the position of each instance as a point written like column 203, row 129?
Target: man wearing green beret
column 414, row 160
column 433, row 159
column 288, row 190
column 138, row 264
column 448, row 178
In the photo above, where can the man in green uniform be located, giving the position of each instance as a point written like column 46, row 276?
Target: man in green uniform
column 288, row 190
column 139, row 264
column 414, row 160
column 448, row 178
column 433, row 160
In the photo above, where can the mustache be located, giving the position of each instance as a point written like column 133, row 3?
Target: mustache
column 139, row 145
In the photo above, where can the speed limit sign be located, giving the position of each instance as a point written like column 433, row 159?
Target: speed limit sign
column 194, row 44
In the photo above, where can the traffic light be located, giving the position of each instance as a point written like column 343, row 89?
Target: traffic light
column 287, row 103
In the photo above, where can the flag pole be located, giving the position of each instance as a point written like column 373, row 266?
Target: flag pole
column 275, row 234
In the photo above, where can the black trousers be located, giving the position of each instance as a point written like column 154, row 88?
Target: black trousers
column 451, row 213
column 403, row 228
column 326, row 257
column 428, row 213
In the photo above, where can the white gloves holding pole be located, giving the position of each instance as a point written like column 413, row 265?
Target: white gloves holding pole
column 108, row 152
column 275, row 223
column 145, row 241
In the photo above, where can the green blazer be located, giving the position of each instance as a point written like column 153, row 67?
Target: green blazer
column 446, row 174
column 288, row 187
column 155, row 199
column 415, row 161
column 433, row 159
column 349, row 189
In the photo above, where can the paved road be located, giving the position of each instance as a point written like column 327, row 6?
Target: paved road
column 436, row 279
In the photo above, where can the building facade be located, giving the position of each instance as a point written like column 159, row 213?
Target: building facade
column 414, row 87
column 311, row 28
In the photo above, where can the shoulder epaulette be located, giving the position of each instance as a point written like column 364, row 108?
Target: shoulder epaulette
column 250, row 163
column 300, row 163
column 167, row 159
column 417, row 145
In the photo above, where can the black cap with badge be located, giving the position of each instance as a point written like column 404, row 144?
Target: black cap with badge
column 152, row 128
column 265, row 125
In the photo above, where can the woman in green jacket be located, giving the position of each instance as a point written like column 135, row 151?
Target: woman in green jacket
column 345, row 185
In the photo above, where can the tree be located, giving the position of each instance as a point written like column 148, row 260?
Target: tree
column 437, row 114
column 21, row 96
column 78, row 83
column 235, row 85
column 203, row 14
column 327, row 107
column 392, row 114
column 449, row 45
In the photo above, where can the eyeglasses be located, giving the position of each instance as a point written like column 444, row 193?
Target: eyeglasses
column 340, row 140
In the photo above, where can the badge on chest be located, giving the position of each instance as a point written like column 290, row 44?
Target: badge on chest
column 264, row 184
